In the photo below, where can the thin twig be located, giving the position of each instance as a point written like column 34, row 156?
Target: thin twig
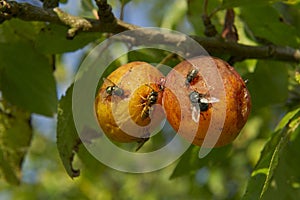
column 122, row 11
column 210, row 29
column 217, row 9
column 76, row 23
column 167, row 58
column 205, row 5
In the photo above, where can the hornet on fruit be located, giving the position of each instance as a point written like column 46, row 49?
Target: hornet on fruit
column 150, row 100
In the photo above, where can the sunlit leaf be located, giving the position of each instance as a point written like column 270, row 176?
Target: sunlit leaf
column 15, row 137
column 297, row 77
column 67, row 137
column 285, row 120
column 265, row 23
column 264, row 170
column 174, row 14
column 286, row 178
column 27, row 79
column 294, row 126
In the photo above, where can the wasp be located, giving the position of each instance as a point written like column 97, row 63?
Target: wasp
column 150, row 100
column 113, row 89
column 190, row 76
column 200, row 103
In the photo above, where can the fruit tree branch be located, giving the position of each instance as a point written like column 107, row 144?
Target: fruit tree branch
column 50, row 3
column 28, row 12
column 241, row 51
column 109, row 24
column 105, row 11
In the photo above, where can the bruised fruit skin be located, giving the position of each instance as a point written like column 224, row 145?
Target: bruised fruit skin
column 120, row 113
column 226, row 116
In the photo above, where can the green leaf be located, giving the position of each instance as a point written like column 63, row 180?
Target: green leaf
column 190, row 162
column 87, row 5
column 286, row 119
column 265, row 23
column 15, row 137
column 290, row 14
column 286, row 178
column 268, row 74
column 152, row 56
column 91, row 164
column 67, row 137
column 147, row 55
column 262, row 175
column 297, row 77
column 124, row 2
column 26, row 78
column 243, row 3
column 16, row 30
column 195, row 12
column 240, row 3
column 52, row 39
column 260, row 178
column 185, row 164
column 174, row 14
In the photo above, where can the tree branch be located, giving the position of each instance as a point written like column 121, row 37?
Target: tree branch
column 28, row 12
column 47, row 4
column 210, row 30
column 241, row 52
column 105, row 12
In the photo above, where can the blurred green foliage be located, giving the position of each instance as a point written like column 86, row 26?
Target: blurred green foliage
column 261, row 163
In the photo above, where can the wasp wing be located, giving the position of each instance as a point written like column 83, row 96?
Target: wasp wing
column 107, row 83
column 195, row 113
column 209, row 100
